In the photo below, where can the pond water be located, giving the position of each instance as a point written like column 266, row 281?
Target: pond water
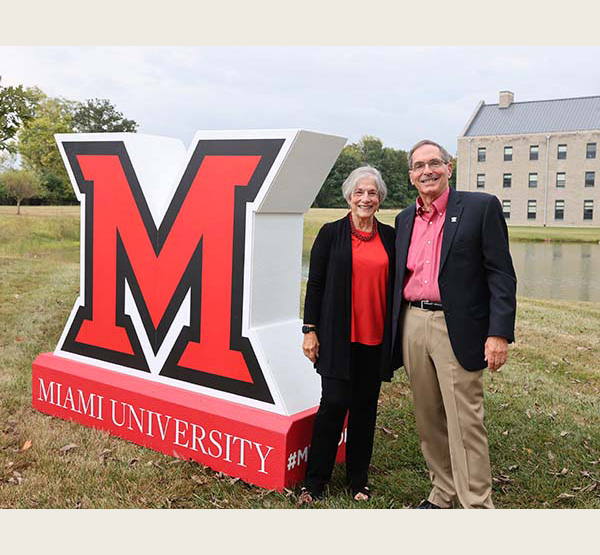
column 563, row 271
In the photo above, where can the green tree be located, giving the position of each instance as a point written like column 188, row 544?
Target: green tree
column 394, row 170
column 452, row 180
column 39, row 151
column 19, row 185
column 330, row 195
column 8, row 160
column 37, row 146
column 17, row 106
column 369, row 150
column 98, row 115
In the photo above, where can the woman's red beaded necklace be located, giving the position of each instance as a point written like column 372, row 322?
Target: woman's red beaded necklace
column 361, row 236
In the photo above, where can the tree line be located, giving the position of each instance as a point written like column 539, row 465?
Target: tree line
column 31, row 167
column 32, row 170
column 392, row 163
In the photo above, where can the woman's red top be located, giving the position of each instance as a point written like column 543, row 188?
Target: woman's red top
column 370, row 267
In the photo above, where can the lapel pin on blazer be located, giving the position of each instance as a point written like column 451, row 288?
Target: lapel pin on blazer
column 453, row 219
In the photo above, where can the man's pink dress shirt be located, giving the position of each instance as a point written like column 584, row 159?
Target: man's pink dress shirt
column 423, row 262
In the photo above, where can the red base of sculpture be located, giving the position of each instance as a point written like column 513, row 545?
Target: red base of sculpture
column 262, row 448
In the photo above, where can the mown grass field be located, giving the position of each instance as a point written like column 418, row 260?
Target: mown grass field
column 542, row 409
column 555, row 234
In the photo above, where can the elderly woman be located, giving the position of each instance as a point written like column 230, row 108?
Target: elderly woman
column 346, row 332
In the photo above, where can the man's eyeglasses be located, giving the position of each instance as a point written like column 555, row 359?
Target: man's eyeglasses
column 434, row 164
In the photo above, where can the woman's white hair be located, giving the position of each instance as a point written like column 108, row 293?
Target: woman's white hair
column 359, row 173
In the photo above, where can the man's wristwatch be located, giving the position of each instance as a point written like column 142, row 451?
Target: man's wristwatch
column 308, row 329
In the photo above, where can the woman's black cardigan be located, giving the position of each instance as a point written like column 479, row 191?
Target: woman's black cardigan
column 328, row 302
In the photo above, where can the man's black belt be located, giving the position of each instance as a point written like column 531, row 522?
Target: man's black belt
column 427, row 305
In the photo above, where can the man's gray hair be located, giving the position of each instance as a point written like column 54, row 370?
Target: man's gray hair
column 356, row 175
column 443, row 152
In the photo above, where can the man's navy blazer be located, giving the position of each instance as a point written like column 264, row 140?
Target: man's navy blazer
column 476, row 279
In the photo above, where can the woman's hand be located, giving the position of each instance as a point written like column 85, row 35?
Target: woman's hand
column 310, row 346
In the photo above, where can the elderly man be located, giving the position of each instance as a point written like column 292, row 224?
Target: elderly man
column 453, row 315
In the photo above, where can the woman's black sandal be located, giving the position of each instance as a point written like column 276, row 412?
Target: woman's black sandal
column 364, row 491
column 306, row 497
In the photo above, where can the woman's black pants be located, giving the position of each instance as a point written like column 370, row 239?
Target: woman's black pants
column 357, row 397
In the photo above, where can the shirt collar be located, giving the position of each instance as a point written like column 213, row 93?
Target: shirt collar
column 439, row 204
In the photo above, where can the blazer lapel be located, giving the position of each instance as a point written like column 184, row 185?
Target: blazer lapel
column 388, row 243
column 453, row 213
column 403, row 235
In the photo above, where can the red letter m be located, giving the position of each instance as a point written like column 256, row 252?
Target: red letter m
column 198, row 250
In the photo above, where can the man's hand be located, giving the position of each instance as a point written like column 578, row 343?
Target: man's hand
column 496, row 352
column 310, row 346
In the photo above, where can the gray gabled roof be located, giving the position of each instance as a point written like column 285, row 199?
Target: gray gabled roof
column 539, row 116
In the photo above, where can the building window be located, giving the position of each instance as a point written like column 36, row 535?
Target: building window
column 559, row 210
column 480, row 180
column 588, row 209
column 534, row 152
column 481, row 154
column 562, row 152
column 561, row 179
column 590, row 150
column 506, row 209
column 590, row 178
column 508, row 153
column 507, row 180
column 533, row 180
column 531, row 209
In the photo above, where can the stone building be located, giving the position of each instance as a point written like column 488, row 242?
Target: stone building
column 540, row 158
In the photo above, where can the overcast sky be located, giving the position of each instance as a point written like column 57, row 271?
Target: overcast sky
column 400, row 94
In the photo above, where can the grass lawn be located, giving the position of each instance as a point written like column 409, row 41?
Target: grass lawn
column 542, row 409
column 555, row 234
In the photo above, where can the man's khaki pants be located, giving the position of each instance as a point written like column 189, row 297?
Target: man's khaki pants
column 448, row 404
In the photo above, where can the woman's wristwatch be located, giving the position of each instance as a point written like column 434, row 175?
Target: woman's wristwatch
column 308, row 329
